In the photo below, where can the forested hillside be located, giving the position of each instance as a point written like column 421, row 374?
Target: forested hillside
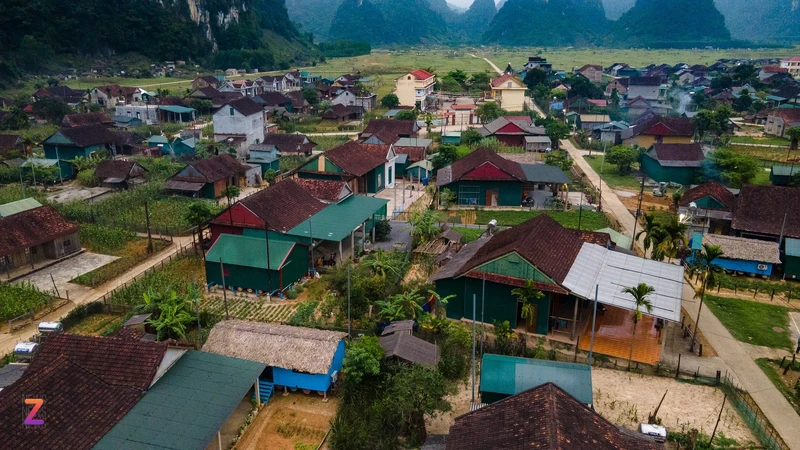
column 692, row 23
column 548, row 22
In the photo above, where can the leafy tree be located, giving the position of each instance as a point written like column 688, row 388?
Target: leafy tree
column 445, row 156
column 709, row 271
column 459, row 76
column 489, row 111
column 440, row 302
column 535, row 78
column 383, row 229
column 446, row 198
column 362, row 359
column 16, row 119
column 423, row 226
column 614, row 103
column 582, row 87
column 270, row 175
column 480, row 81
column 390, row 101
column 382, row 264
column 639, row 294
column 730, row 168
column 470, row 136
column 201, row 106
column 413, row 393
column 406, row 114
column 231, row 192
column 744, row 102
column 623, row 157
column 560, row 159
column 310, row 95
column 794, row 135
column 428, row 122
column 722, row 82
column 556, row 131
column 449, row 84
column 51, row 109
column 674, row 237
column 403, row 306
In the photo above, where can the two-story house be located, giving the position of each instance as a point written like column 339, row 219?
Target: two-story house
column 509, row 92
column 591, row 72
column 240, row 121
column 792, row 65
column 413, row 89
column 112, row 95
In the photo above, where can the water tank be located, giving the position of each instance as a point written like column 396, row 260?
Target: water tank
column 49, row 327
column 24, row 351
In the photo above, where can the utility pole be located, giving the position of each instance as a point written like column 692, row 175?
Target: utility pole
column 147, row 223
column 636, row 213
column 474, row 300
column 580, row 205
column 224, row 288
column 600, row 176
column 349, row 336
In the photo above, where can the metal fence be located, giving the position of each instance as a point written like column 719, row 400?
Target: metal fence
column 752, row 416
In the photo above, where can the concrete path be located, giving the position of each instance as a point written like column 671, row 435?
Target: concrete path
column 611, row 203
column 65, row 271
column 8, row 341
column 496, row 69
column 774, row 406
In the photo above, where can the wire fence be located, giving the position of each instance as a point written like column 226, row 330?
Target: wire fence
column 752, row 415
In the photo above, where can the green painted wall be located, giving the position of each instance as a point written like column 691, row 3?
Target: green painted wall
column 514, row 266
column 375, row 179
column 499, row 304
column 510, row 192
column 792, row 266
column 208, row 191
column 709, row 202
column 295, row 267
column 331, row 167
column 654, row 170
column 68, row 152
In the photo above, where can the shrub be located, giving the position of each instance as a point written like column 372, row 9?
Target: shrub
column 382, row 230
column 86, row 178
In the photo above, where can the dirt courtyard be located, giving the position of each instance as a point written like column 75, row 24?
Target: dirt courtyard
column 288, row 420
column 626, row 399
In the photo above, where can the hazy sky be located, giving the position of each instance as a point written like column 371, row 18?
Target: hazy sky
column 463, row 3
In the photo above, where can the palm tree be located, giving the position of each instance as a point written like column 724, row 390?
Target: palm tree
column 423, row 226
column 410, row 303
column 708, row 275
column 526, row 295
column 639, row 294
column 650, row 230
column 674, row 237
column 231, row 192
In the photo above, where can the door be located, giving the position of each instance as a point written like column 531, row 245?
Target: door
column 491, row 197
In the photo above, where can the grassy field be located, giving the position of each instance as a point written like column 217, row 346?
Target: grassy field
column 611, row 176
column 761, row 153
column 753, row 322
column 770, row 369
column 767, row 140
column 470, row 234
column 590, row 220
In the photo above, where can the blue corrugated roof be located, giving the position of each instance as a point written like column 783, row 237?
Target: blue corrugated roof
column 511, row 375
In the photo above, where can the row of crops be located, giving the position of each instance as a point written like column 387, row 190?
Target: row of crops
column 248, row 309
column 179, row 275
column 20, row 298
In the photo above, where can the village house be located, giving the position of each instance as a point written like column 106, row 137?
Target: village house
column 265, row 156
column 591, row 72
column 565, row 265
column 414, row 88
column 767, row 212
column 542, row 418
column 349, row 97
column 792, row 65
column 10, row 143
column 246, row 88
column 740, row 255
column 621, row 85
column 511, row 130
column 715, row 205
column 388, row 131
column 274, row 99
column 208, row 177
column 143, row 112
column 207, row 81
column 83, row 119
column 505, row 376
column 119, row 174
column 649, row 88
column 84, row 141
column 537, row 62
column 341, row 113
column 290, row 144
column 779, row 120
column 509, row 92
column 276, row 83
column 111, row 95
column 71, row 97
column 676, row 163
column 652, row 129
column 243, row 119
column 367, row 168
column 34, row 234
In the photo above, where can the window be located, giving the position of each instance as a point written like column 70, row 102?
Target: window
column 468, row 195
column 509, row 84
column 67, row 243
column 231, row 109
column 380, row 181
column 34, row 250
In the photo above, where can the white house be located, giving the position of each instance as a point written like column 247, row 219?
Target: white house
column 142, row 111
column 240, row 122
column 413, row 89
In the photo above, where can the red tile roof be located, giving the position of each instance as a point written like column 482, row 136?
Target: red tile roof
column 32, row 227
column 542, row 241
column 76, row 120
column 542, row 418
column 679, row 152
column 497, row 82
column 400, row 128
column 415, row 154
column 356, row 159
column 114, row 168
column 289, row 143
column 325, row 190
column 761, row 210
column 421, row 74
column 79, row 407
column 463, row 166
column 246, row 106
column 282, row 206
column 213, row 169
column 118, row 362
column 710, row 189
column 88, row 135
column 789, row 115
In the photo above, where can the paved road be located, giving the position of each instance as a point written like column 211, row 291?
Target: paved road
column 782, row 416
column 496, row 69
column 8, row 341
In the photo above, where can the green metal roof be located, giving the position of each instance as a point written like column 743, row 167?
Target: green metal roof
column 620, row 239
column 18, row 206
column 425, row 164
column 249, row 251
column 785, row 171
column 58, row 138
column 176, row 109
column 336, row 222
column 158, row 139
column 187, row 406
column 43, row 162
column 792, row 247
column 511, row 375
column 697, row 241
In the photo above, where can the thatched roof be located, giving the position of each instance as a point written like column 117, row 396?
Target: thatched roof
column 296, row 348
column 745, row 249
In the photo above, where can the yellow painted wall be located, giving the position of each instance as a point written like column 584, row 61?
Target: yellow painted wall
column 647, row 141
column 405, row 90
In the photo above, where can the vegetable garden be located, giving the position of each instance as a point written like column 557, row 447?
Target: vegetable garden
column 19, row 298
column 247, row 309
column 177, row 276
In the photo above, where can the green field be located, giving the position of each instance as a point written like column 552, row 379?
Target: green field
column 767, row 140
column 753, row 322
column 589, row 220
column 761, row 153
column 611, row 176
column 470, row 234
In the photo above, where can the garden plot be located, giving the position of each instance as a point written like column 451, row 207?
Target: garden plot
column 250, row 308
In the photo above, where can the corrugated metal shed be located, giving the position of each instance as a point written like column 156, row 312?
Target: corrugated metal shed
column 620, row 239
column 248, row 251
column 186, row 408
column 511, row 375
column 792, row 247
column 614, row 271
column 336, row 222
column 18, row 206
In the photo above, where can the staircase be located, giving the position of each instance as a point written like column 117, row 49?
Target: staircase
column 265, row 389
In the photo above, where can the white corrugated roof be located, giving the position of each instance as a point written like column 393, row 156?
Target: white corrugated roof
column 613, row 271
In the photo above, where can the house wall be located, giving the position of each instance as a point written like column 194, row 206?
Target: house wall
column 145, row 113
column 69, row 152
column 510, row 192
column 775, row 125
column 791, row 266
column 654, row 170
column 295, row 267
column 647, row 141
column 646, row 92
column 511, row 99
column 376, row 179
column 228, row 120
column 740, row 265
column 404, row 89
column 498, row 302
column 62, row 246
column 314, row 382
column 516, row 140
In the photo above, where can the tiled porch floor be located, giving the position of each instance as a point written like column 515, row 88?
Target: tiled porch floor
column 612, row 337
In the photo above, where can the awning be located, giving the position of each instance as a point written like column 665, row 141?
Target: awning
column 176, row 109
column 336, row 222
column 175, row 185
column 613, row 271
